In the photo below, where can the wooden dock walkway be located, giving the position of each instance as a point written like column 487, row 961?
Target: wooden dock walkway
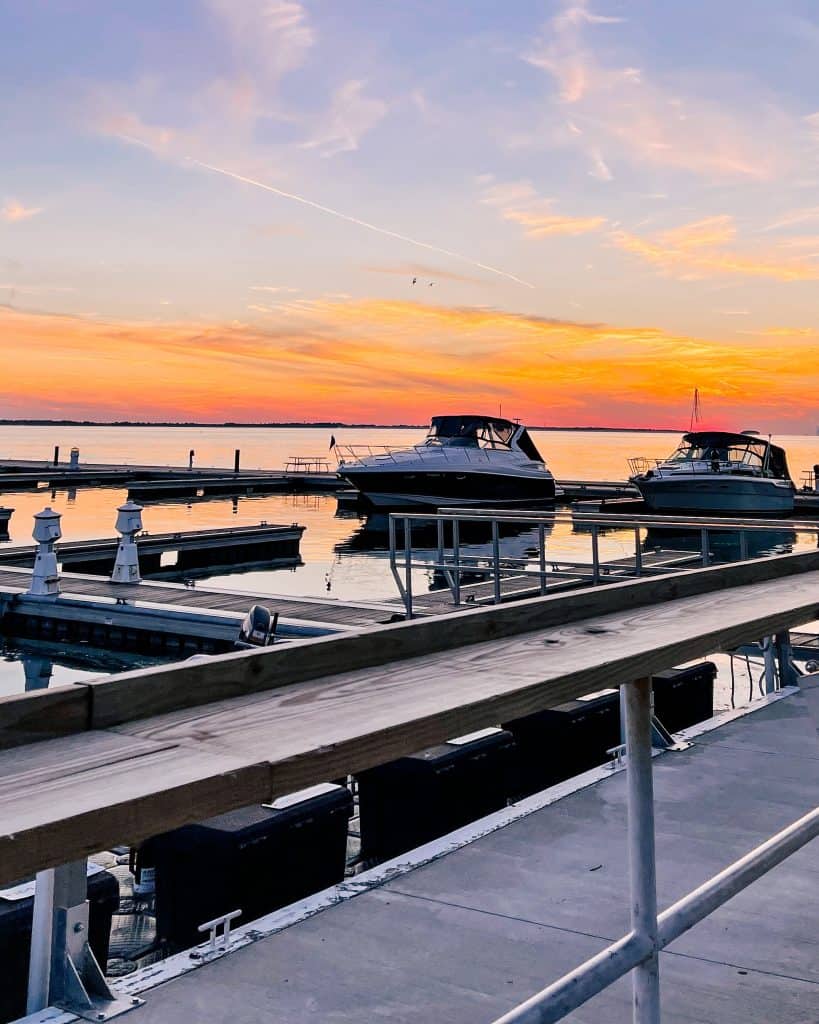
column 92, row 603
column 473, row 930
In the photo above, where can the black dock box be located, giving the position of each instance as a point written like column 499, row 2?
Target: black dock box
column 565, row 740
column 408, row 802
column 684, row 696
column 255, row 859
column 15, row 939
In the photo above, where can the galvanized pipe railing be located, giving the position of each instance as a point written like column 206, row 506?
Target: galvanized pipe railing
column 638, row 951
column 497, row 567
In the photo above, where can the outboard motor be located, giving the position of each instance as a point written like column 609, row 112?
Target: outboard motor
column 258, row 628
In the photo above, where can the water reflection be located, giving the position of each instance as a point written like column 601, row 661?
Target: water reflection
column 37, row 664
column 517, row 540
column 723, row 545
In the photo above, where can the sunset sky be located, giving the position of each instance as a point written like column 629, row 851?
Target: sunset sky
column 215, row 209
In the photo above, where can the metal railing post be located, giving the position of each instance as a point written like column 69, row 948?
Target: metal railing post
column 743, row 545
column 39, row 968
column 638, row 552
column 496, row 561
column 704, row 544
column 769, row 657
column 595, row 546
column 456, row 560
column 408, row 564
column 541, row 540
column 396, row 575
column 784, row 656
column 642, row 871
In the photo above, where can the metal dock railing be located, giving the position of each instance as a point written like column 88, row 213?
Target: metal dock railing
column 505, row 576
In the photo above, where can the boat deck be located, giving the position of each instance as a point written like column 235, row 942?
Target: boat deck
column 467, row 935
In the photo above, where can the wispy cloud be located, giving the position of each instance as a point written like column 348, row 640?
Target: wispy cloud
column 653, row 120
column 808, row 214
column 14, row 211
column 698, row 250
column 276, row 289
column 520, row 203
column 350, row 117
column 275, row 34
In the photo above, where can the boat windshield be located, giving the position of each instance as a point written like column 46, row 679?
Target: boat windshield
column 747, row 455
column 470, row 432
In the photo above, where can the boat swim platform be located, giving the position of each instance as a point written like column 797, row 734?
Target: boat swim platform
column 458, row 934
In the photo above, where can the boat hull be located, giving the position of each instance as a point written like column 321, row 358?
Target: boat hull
column 398, row 489
column 715, row 494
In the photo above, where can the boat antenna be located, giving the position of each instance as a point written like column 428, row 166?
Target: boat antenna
column 696, row 409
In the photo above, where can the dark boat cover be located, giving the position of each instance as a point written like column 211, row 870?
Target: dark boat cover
column 777, row 459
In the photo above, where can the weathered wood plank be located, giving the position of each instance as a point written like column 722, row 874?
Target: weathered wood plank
column 352, row 720
column 70, row 797
column 44, row 714
column 234, row 752
column 134, row 695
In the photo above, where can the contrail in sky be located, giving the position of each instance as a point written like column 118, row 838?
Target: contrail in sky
column 360, row 223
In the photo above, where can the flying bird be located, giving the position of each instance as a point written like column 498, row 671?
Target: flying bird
column 414, row 280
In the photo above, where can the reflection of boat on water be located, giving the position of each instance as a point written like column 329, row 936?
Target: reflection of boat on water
column 464, row 460
column 723, row 545
column 714, row 471
column 516, row 539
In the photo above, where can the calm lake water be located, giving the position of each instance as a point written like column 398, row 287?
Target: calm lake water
column 343, row 557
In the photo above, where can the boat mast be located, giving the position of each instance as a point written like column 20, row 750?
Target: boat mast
column 696, row 410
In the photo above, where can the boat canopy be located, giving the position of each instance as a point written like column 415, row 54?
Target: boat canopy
column 748, row 448
column 481, row 432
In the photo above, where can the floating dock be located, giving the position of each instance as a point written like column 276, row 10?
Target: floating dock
column 156, row 482
column 177, row 552
column 166, row 618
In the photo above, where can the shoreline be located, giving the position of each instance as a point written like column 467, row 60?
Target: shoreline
column 307, row 426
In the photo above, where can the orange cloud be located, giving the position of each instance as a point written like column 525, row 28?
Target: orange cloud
column 14, row 211
column 696, row 250
column 396, row 361
column 520, row 203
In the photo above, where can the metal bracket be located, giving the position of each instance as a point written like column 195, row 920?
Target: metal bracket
column 80, row 986
column 663, row 739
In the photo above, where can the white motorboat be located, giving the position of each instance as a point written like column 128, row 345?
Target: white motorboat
column 464, row 460
column 718, row 472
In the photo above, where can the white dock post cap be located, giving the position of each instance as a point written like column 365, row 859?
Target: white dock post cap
column 45, row 577
column 126, row 564
column 47, row 526
column 129, row 518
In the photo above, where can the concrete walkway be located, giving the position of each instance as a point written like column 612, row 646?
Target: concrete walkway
column 466, row 937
